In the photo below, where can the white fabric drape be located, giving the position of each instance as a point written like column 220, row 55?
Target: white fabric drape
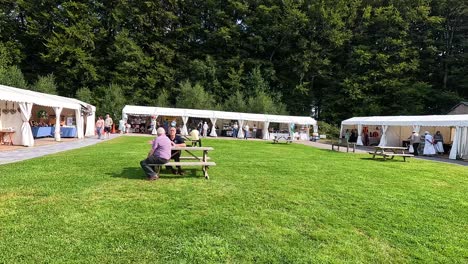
column 184, row 131
column 462, row 144
column 27, row 136
column 79, row 124
column 240, row 134
column 266, row 135
column 90, row 125
column 383, row 138
column 455, row 143
column 213, row 128
column 416, row 128
column 58, row 112
column 359, row 138
column 154, row 124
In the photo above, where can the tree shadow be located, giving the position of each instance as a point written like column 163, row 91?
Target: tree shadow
column 136, row 173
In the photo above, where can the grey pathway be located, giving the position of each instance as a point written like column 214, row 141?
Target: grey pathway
column 367, row 149
column 34, row 152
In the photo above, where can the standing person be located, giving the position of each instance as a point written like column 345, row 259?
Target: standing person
column 99, row 126
column 205, row 129
column 415, row 140
column 246, row 129
column 429, row 149
column 439, row 143
column 121, row 126
column 108, row 122
column 347, row 135
column 235, row 130
column 173, row 123
column 254, row 131
column 160, row 153
column 176, row 141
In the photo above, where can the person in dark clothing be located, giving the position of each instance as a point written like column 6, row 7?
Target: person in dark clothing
column 176, row 141
column 353, row 137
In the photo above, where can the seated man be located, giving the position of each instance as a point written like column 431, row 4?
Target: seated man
column 160, row 153
column 176, row 141
column 195, row 136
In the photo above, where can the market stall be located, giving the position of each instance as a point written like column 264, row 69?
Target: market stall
column 220, row 122
column 23, row 110
column 395, row 130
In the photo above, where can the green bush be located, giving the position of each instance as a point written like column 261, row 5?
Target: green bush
column 327, row 129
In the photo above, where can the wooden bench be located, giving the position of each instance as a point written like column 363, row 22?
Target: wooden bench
column 277, row 139
column 205, row 165
column 393, row 152
column 344, row 144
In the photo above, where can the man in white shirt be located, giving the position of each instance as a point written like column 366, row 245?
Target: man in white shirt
column 246, row 128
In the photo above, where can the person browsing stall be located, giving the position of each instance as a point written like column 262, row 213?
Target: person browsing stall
column 160, row 153
column 176, row 141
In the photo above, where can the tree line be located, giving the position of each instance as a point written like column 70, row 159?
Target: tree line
column 332, row 59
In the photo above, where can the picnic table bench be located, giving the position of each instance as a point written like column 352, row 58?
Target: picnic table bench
column 348, row 145
column 277, row 139
column 392, row 152
column 192, row 160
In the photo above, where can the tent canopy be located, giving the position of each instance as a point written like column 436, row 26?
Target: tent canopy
column 148, row 110
column 427, row 120
column 26, row 99
column 396, row 128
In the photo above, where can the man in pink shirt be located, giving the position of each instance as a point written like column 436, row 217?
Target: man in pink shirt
column 160, row 153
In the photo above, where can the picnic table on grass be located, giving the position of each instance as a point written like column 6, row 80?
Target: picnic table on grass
column 392, row 152
column 191, row 160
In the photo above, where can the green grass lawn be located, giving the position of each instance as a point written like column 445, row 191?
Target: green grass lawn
column 264, row 202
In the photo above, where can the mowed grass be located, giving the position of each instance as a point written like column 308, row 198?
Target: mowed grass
column 270, row 203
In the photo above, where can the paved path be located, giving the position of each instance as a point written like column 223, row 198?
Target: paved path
column 39, row 151
column 367, row 149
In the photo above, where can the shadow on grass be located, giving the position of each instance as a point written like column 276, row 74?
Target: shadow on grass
column 137, row 173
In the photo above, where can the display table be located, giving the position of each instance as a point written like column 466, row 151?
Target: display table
column 6, row 133
column 68, row 132
column 39, row 132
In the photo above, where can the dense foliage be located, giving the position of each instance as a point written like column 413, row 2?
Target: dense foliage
column 334, row 58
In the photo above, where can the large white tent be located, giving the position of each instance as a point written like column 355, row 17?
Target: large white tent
column 18, row 120
column 213, row 115
column 394, row 129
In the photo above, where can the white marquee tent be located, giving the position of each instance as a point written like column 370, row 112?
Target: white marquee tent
column 11, row 97
column 213, row 115
column 394, row 129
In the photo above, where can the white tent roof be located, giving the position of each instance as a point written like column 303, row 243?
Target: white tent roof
column 427, row 120
column 12, row 94
column 148, row 110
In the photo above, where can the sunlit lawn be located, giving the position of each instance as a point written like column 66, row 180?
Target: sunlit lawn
column 263, row 203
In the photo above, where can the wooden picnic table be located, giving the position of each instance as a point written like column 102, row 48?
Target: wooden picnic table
column 387, row 151
column 277, row 139
column 348, row 145
column 191, row 160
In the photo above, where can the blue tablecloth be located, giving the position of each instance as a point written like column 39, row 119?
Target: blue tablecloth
column 42, row 132
column 68, row 132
